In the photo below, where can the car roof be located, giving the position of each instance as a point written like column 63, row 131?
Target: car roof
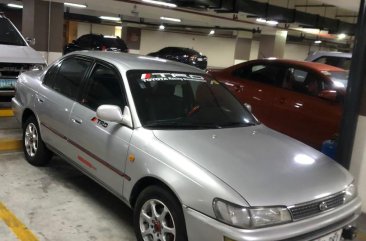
column 304, row 64
column 134, row 61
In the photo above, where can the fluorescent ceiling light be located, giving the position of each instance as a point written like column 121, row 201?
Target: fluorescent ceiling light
column 317, row 41
column 272, row 22
column 261, row 20
column 171, row 19
column 161, row 27
column 75, row 5
column 212, row 32
column 110, row 18
column 172, row 5
column 342, row 36
column 12, row 5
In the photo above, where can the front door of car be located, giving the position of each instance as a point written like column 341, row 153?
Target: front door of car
column 100, row 147
column 301, row 113
column 55, row 100
column 257, row 85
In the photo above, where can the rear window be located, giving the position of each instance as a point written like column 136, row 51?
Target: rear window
column 9, row 35
column 114, row 43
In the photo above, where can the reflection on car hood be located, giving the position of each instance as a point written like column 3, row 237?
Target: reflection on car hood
column 264, row 166
column 20, row 54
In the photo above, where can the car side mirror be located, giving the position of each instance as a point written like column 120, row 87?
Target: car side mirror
column 248, row 106
column 113, row 113
column 331, row 95
column 30, row 41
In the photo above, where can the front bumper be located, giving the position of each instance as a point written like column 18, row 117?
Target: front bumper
column 203, row 228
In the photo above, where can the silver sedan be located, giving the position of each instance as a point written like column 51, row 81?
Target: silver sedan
column 181, row 151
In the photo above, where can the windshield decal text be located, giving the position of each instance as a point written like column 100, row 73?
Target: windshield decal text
column 147, row 77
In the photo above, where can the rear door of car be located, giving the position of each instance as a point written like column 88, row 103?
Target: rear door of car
column 98, row 146
column 299, row 111
column 55, row 100
column 256, row 84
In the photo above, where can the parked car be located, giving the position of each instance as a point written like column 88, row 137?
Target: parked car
column 16, row 56
column 183, row 55
column 179, row 149
column 301, row 99
column 337, row 59
column 96, row 42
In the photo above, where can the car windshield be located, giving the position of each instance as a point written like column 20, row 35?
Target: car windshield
column 166, row 100
column 8, row 34
column 339, row 78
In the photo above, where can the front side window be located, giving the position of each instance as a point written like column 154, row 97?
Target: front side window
column 9, row 35
column 185, row 100
column 104, row 88
column 302, row 81
column 49, row 77
column 69, row 77
column 267, row 74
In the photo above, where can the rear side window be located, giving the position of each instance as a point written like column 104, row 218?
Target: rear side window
column 104, row 88
column 70, row 75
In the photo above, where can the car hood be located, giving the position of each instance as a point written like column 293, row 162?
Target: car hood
column 265, row 167
column 20, row 54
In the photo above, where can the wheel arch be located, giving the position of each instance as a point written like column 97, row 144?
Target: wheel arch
column 26, row 114
column 145, row 182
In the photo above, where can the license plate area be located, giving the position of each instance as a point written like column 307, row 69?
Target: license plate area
column 7, row 83
column 335, row 236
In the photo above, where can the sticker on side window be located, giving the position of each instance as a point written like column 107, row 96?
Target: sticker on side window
column 149, row 77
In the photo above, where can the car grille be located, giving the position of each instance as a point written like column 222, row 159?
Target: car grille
column 10, row 70
column 312, row 208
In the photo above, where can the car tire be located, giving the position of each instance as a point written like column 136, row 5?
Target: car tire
column 35, row 151
column 166, row 222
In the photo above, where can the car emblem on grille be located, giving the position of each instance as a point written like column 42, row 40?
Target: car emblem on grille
column 323, row 206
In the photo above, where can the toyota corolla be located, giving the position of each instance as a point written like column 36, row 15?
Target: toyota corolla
column 179, row 149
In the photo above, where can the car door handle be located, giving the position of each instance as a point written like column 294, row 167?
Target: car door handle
column 40, row 100
column 76, row 121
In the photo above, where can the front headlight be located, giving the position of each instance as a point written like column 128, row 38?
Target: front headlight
column 250, row 218
column 350, row 193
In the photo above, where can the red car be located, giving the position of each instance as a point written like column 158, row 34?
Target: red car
column 300, row 99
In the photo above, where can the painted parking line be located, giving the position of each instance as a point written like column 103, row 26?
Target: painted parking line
column 10, row 145
column 15, row 225
column 6, row 113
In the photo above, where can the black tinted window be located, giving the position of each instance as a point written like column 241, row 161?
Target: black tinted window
column 268, row 74
column 86, row 41
column 302, row 81
column 340, row 62
column 8, row 34
column 70, row 75
column 104, row 88
column 114, row 43
column 50, row 76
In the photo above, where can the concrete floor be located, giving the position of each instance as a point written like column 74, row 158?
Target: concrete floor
column 58, row 203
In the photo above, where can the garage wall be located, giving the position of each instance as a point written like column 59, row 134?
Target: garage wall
column 296, row 51
column 219, row 51
column 86, row 28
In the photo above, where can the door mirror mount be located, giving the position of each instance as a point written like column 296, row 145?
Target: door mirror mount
column 248, row 106
column 113, row 113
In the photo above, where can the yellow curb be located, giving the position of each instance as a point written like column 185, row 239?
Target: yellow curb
column 6, row 113
column 10, row 145
column 15, row 225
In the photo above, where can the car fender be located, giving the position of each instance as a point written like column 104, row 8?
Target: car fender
column 192, row 184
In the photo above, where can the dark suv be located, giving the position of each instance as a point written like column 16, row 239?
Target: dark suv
column 183, row 55
column 96, row 42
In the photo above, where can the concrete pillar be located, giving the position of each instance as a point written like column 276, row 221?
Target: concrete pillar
column 272, row 44
column 44, row 21
column 132, row 38
column 243, row 47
